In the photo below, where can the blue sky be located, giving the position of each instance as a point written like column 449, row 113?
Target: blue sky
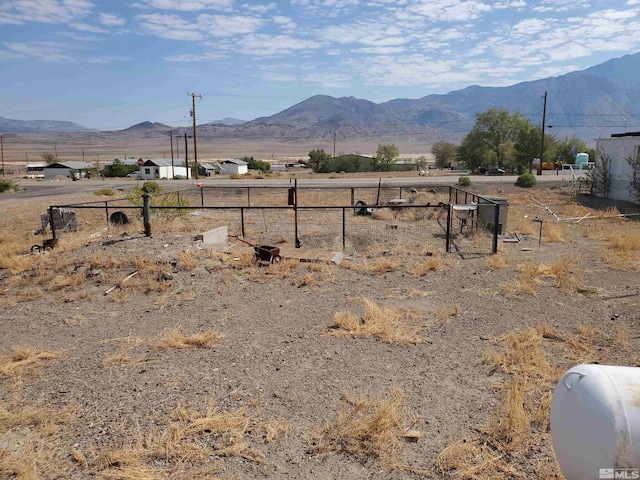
column 111, row 64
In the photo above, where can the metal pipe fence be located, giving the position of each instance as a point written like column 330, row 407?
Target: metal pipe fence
column 422, row 222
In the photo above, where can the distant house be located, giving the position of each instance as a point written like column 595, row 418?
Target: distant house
column 404, row 165
column 237, row 167
column 35, row 170
column 67, row 169
column 156, row 168
column 206, row 169
column 619, row 148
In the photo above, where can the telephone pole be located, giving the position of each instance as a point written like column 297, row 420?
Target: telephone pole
column 193, row 115
column 334, row 144
column 173, row 171
column 2, row 150
column 544, row 119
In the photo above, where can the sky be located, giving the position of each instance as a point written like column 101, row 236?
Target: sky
column 112, row 64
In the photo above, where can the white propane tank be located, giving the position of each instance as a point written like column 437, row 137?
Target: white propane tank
column 595, row 422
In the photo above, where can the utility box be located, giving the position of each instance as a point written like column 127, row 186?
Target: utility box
column 487, row 213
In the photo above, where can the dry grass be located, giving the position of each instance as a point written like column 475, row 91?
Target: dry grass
column 176, row 339
column 565, row 274
column 445, row 313
column 622, row 251
column 187, row 259
column 184, row 447
column 170, row 339
column 33, row 451
column 555, row 232
column 389, row 325
column 379, row 266
column 495, row 262
column 26, row 359
column 533, row 361
column 514, row 288
column 367, row 427
column 432, row 264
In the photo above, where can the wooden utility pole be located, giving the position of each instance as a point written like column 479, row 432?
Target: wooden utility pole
column 173, row 171
column 193, row 115
column 544, row 119
column 2, row 150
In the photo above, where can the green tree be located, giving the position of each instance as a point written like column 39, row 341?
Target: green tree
column 254, row 164
column 48, row 157
column 599, row 176
column 319, row 160
column 444, row 152
column 472, row 151
column 386, row 155
column 498, row 132
column 118, row 169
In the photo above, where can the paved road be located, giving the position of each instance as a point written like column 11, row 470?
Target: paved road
column 34, row 189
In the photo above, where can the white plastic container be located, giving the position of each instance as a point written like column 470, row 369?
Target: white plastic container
column 595, row 422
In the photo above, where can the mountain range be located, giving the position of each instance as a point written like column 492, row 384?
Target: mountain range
column 597, row 101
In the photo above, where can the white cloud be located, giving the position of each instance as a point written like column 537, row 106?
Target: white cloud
column 287, row 24
column 81, row 38
column 266, row 45
column 328, row 80
column 451, row 10
column 84, row 27
column 186, row 5
column 380, row 50
column 53, row 52
column 169, row 26
column 227, row 26
column 43, row 11
column 188, row 57
column 108, row 59
column 260, row 8
column 110, row 20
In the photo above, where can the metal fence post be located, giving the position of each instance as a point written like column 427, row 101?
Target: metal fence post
column 344, row 228
column 106, row 209
column 295, row 210
column 242, row 219
column 248, row 196
column 202, row 196
column 353, row 198
column 146, row 214
column 496, row 213
column 52, row 223
column 448, row 241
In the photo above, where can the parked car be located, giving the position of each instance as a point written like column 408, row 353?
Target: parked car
column 133, row 175
column 496, row 171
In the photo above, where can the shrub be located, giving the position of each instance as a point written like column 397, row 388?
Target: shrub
column 179, row 177
column 234, row 176
column 464, row 181
column 526, row 180
column 151, row 187
column 7, row 185
column 106, row 192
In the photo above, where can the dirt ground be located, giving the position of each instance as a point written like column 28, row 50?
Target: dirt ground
column 106, row 398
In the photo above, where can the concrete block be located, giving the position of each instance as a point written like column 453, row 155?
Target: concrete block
column 217, row 236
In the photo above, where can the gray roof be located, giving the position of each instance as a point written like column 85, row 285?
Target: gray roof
column 236, row 162
column 71, row 165
column 162, row 162
column 207, row 166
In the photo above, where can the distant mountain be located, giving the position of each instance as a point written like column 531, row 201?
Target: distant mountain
column 148, row 126
column 229, row 121
column 599, row 100
column 39, row 126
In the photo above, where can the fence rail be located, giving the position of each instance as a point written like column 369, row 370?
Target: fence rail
column 343, row 225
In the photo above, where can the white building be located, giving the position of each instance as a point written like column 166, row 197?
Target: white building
column 157, row 168
column 619, row 148
column 237, row 167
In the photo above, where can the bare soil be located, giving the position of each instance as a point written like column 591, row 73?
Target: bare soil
column 278, row 353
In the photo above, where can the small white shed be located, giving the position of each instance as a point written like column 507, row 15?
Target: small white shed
column 238, row 167
column 619, row 148
column 156, row 168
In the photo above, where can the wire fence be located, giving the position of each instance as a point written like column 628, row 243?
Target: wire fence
column 349, row 219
